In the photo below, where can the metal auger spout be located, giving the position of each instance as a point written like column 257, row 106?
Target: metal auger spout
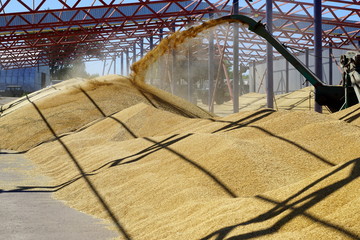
column 326, row 95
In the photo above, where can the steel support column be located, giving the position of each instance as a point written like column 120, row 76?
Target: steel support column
column 103, row 71
column 211, row 70
column 254, row 76
column 173, row 65
column 190, row 79
column 151, row 42
column 127, row 61
column 241, row 81
column 114, row 63
column 236, row 59
column 134, row 53
column 286, row 76
column 173, row 69
column 160, row 65
column 330, row 65
column 161, row 33
column 142, row 47
column 318, row 45
column 307, row 63
column 269, row 58
column 111, row 63
column 122, row 63
column 6, row 74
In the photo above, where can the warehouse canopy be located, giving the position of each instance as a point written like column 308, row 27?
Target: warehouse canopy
column 34, row 33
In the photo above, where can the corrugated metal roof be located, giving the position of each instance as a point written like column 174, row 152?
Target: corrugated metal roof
column 98, row 13
column 103, row 12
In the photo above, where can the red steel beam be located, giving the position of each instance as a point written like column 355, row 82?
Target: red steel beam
column 116, row 25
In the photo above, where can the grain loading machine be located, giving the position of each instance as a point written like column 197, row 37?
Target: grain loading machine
column 350, row 65
column 335, row 97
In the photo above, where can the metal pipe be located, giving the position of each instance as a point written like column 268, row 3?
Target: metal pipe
column 318, row 45
column 269, row 58
column 254, row 76
column 236, row 59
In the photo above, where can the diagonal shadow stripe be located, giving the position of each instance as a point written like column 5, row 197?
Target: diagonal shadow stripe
column 43, row 189
column 294, row 144
column 237, row 124
column 298, row 208
column 84, row 175
column 348, row 114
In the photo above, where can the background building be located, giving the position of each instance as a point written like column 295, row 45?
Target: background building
column 26, row 79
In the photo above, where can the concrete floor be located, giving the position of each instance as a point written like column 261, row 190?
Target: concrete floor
column 4, row 100
column 31, row 213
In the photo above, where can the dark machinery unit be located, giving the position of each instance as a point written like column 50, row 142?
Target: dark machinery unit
column 350, row 64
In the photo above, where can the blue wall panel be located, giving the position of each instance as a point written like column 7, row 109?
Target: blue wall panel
column 28, row 78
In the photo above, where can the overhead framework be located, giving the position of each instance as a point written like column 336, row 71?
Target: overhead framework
column 294, row 21
column 29, row 36
column 43, row 32
column 293, row 25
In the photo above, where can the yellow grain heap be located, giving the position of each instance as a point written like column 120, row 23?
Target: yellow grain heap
column 161, row 168
column 73, row 104
column 350, row 115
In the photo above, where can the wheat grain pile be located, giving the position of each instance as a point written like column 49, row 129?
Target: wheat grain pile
column 74, row 104
column 158, row 167
column 350, row 115
column 255, row 174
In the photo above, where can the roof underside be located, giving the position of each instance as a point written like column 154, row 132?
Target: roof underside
column 41, row 32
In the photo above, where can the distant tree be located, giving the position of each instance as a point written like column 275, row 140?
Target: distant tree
column 66, row 58
column 68, row 70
